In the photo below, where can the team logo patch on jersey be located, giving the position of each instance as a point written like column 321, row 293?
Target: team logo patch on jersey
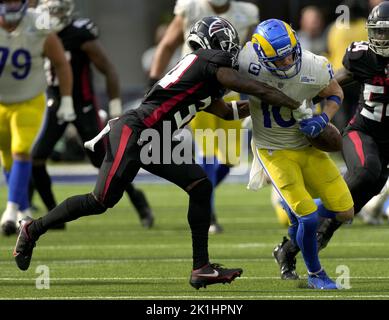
column 254, row 69
column 307, row 79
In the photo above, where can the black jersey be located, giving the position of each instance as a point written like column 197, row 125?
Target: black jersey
column 73, row 37
column 372, row 71
column 191, row 86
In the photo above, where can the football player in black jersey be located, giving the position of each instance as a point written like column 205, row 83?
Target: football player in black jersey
column 196, row 83
column 80, row 40
column 366, row 137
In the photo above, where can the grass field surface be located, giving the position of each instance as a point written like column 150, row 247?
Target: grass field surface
column 112, row 257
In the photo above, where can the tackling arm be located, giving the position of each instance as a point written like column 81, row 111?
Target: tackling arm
column 231, row 79
column 227, row 111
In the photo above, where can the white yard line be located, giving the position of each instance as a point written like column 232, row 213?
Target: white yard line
column 196, row 297
column 165, row 278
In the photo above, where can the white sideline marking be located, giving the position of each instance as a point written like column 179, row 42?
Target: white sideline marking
column 168, row 278
column 189, row 297
column 171, row 246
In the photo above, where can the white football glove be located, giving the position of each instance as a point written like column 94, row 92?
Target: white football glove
column 304, row 111
column 115, row 108
column 65, row 111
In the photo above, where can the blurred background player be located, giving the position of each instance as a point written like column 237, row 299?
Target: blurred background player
column 80, row 40
column 312, row 35
column 274, row 56
column 366, row 138
column 244, row 17
column 22, row 100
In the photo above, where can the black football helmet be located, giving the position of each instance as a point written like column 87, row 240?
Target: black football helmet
column 214, row 33
column 11, row 12
column 60, row 11
column 378, row 29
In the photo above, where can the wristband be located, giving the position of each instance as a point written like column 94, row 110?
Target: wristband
column 336, row 99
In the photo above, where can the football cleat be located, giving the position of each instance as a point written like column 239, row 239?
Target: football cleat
column 215, row 228
column 211, row 274
column 321, row 281
column 59, row 226
column 286, row 261
column 24, row 245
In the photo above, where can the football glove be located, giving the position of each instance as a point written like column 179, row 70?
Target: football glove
column 65, row 111
column 303, row 112
column 312, row 127
column 115, row 108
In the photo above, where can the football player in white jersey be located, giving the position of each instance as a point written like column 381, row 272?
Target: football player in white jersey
column 297, row 170
column 244, row 16
column 24, row 42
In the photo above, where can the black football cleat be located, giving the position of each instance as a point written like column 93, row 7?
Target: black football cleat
column 8, row 228
column 147, row 218
column 211, row 274
column 24, row 245
column 286, row 261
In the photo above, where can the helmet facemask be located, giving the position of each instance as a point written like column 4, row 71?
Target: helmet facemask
column 288, row 71
column 378, row 34
column 60, row 12
column 12, row 13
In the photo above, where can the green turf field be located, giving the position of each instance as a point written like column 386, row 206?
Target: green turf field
column 112, row 257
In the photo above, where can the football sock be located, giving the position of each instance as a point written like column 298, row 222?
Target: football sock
column 199, row 220
column 306, row 240
column 138, row 199
column 42, row 184
column 18, row 182
column 322, row 211
column 211, row 171
column 70, row 209
column 292, row 229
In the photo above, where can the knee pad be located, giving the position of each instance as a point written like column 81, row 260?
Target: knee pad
column 202, row 189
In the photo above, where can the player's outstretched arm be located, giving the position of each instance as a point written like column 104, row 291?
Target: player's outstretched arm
column 231, row 79
column 234, row 110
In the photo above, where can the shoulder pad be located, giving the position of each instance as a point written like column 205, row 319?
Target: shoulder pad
column 356, row 50
column 86, row 25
